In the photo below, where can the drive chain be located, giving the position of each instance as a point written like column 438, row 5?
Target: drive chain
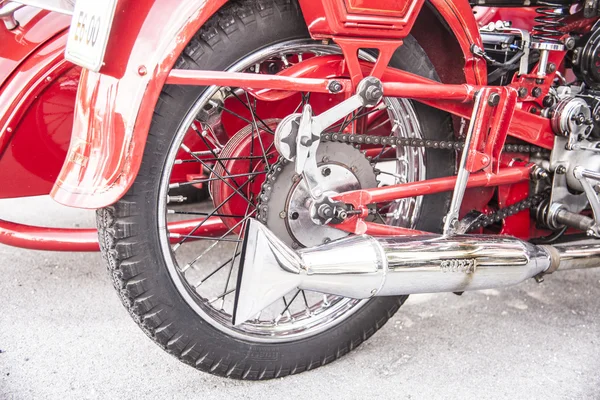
column 411, row 142
column 497, row 216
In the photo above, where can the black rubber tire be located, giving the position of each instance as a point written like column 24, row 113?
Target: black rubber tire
column 128, row 233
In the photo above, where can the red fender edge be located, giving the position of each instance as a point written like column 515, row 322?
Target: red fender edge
column 114, row 107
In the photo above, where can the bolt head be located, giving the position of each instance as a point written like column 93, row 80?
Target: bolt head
column 326, row 171
column 494, row 99
column 335, row 87
column 282, row 214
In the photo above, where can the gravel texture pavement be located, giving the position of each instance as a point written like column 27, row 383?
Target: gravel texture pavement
column 65, row 335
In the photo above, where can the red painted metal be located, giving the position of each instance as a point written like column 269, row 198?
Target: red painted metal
column 32, row 75
column 458, row 16
column 61, row 239
column 104, row 157
column 255, row 81
column 52, row 239
column 359, row 199
column 360, row 18
column 36, row 28
column 38, row 146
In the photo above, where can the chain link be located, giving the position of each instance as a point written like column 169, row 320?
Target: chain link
column 411, row 142
column 497, row 216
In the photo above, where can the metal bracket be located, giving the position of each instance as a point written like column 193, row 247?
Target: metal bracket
column 584, row 176
column 298, row 136
column 451, row 219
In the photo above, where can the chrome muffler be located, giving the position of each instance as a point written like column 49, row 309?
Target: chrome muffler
column 363, row 266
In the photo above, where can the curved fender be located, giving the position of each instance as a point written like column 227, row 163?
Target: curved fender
column 115, row 107
column 459, row 17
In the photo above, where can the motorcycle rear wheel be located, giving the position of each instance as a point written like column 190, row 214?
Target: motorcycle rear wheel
column 132, row 231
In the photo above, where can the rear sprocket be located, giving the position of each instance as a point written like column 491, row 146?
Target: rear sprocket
column 285, row 202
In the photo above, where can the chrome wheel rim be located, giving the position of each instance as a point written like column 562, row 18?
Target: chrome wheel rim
column 300, row 314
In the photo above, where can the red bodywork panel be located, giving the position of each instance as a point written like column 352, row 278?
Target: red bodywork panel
column 37, row 97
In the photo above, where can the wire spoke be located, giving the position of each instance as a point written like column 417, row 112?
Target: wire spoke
column 186, row 149
column 211, row 214
column 255, row 125
column 237, row 246
column 287, row 305
column 332, row 128
column 225, row 159
column 219, row 239
column 250, row 109
column 221, row 296
column 205, row 180
column 306, row 306
column 216, row 270
column 171, row 211
column 191, row 264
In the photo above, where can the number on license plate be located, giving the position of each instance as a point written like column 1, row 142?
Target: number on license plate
column 89, row 32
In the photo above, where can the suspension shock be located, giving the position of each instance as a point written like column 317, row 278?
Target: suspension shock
column 550, row 21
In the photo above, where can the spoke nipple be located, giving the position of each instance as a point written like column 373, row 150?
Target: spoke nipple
column 176, row 199
column 176, row 246
column 174, row 235
column 173, row 185
column 170, row 211
column 185, row 148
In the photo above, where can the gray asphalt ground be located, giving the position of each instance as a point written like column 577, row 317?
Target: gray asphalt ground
column 64, row 335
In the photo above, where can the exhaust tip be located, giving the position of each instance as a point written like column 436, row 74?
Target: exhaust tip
column 268, row 270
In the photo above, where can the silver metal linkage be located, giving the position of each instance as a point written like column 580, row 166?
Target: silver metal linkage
column 451, row 219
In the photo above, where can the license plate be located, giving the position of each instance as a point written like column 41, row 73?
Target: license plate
column 89, row 32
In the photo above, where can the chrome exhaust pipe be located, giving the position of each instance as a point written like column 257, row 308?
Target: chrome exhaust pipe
column 362, row 266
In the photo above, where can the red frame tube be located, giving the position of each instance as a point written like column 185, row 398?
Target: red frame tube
column 68, row 239
column 255, row 81
column 361, row 198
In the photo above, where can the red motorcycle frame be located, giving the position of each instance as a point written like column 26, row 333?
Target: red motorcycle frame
column 115, row 106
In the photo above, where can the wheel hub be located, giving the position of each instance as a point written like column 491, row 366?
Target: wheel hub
column 287, row 208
